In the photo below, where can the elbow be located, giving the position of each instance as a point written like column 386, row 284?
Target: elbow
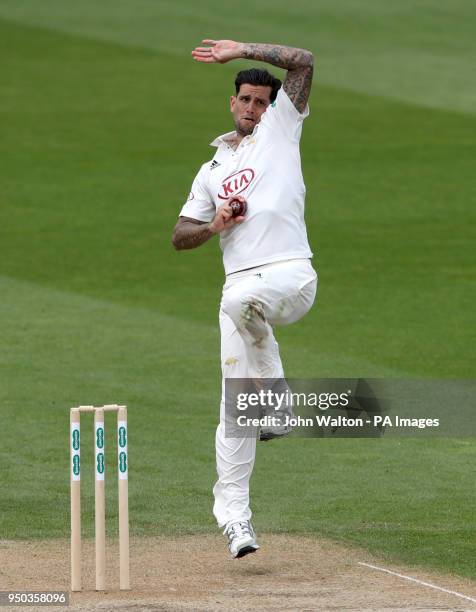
column 309, row 59
column 303, row 59
column 176, row 242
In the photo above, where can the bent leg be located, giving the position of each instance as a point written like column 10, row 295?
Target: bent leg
column 276, row 295
column 245, row 304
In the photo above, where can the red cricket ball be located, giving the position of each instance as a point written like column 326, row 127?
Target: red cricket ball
column 238, row 208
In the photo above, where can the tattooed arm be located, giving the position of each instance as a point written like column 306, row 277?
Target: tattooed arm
column 191, row 233
column 298, row 62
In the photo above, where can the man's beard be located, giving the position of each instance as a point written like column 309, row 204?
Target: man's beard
column 244, row 128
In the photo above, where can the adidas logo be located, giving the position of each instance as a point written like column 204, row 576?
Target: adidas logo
column 214, row 164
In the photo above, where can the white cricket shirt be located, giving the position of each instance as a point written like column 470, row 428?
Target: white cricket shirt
column 266, row 170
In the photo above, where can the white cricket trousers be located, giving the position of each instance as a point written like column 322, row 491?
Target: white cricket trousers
column 252, row 302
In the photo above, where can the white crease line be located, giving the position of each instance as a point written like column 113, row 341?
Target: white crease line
column 432, row 586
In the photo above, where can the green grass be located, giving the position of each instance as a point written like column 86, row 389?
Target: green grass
column 104, row 124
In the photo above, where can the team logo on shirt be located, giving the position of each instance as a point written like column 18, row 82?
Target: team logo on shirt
column 236, row 183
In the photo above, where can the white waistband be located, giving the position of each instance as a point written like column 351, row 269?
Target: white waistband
column 256, row 269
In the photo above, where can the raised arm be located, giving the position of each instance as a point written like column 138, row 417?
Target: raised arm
column 298, row 62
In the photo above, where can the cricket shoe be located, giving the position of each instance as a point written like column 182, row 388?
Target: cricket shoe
column 241, row 539
column 278, row 426
column 275, row 423
column 271, row 432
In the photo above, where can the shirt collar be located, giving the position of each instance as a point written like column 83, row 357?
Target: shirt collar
column 222, row 140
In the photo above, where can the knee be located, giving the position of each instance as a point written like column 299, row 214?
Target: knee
column 247, row 313
column 232, row 305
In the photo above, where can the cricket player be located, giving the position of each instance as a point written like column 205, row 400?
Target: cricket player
column 269, row 277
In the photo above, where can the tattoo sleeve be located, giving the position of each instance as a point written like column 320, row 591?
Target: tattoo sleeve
column 190, row 233
column 298, row 62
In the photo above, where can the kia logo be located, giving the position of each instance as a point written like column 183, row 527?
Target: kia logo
column 236, row 183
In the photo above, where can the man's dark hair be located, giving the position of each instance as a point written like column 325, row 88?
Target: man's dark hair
column 256, row 76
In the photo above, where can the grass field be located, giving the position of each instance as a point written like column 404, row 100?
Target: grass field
column 105, row 121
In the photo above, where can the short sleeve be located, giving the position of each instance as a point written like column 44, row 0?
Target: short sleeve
column 199, row 205
column 283, row 117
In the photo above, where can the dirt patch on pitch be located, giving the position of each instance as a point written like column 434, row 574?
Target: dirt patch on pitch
column 195, row 573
